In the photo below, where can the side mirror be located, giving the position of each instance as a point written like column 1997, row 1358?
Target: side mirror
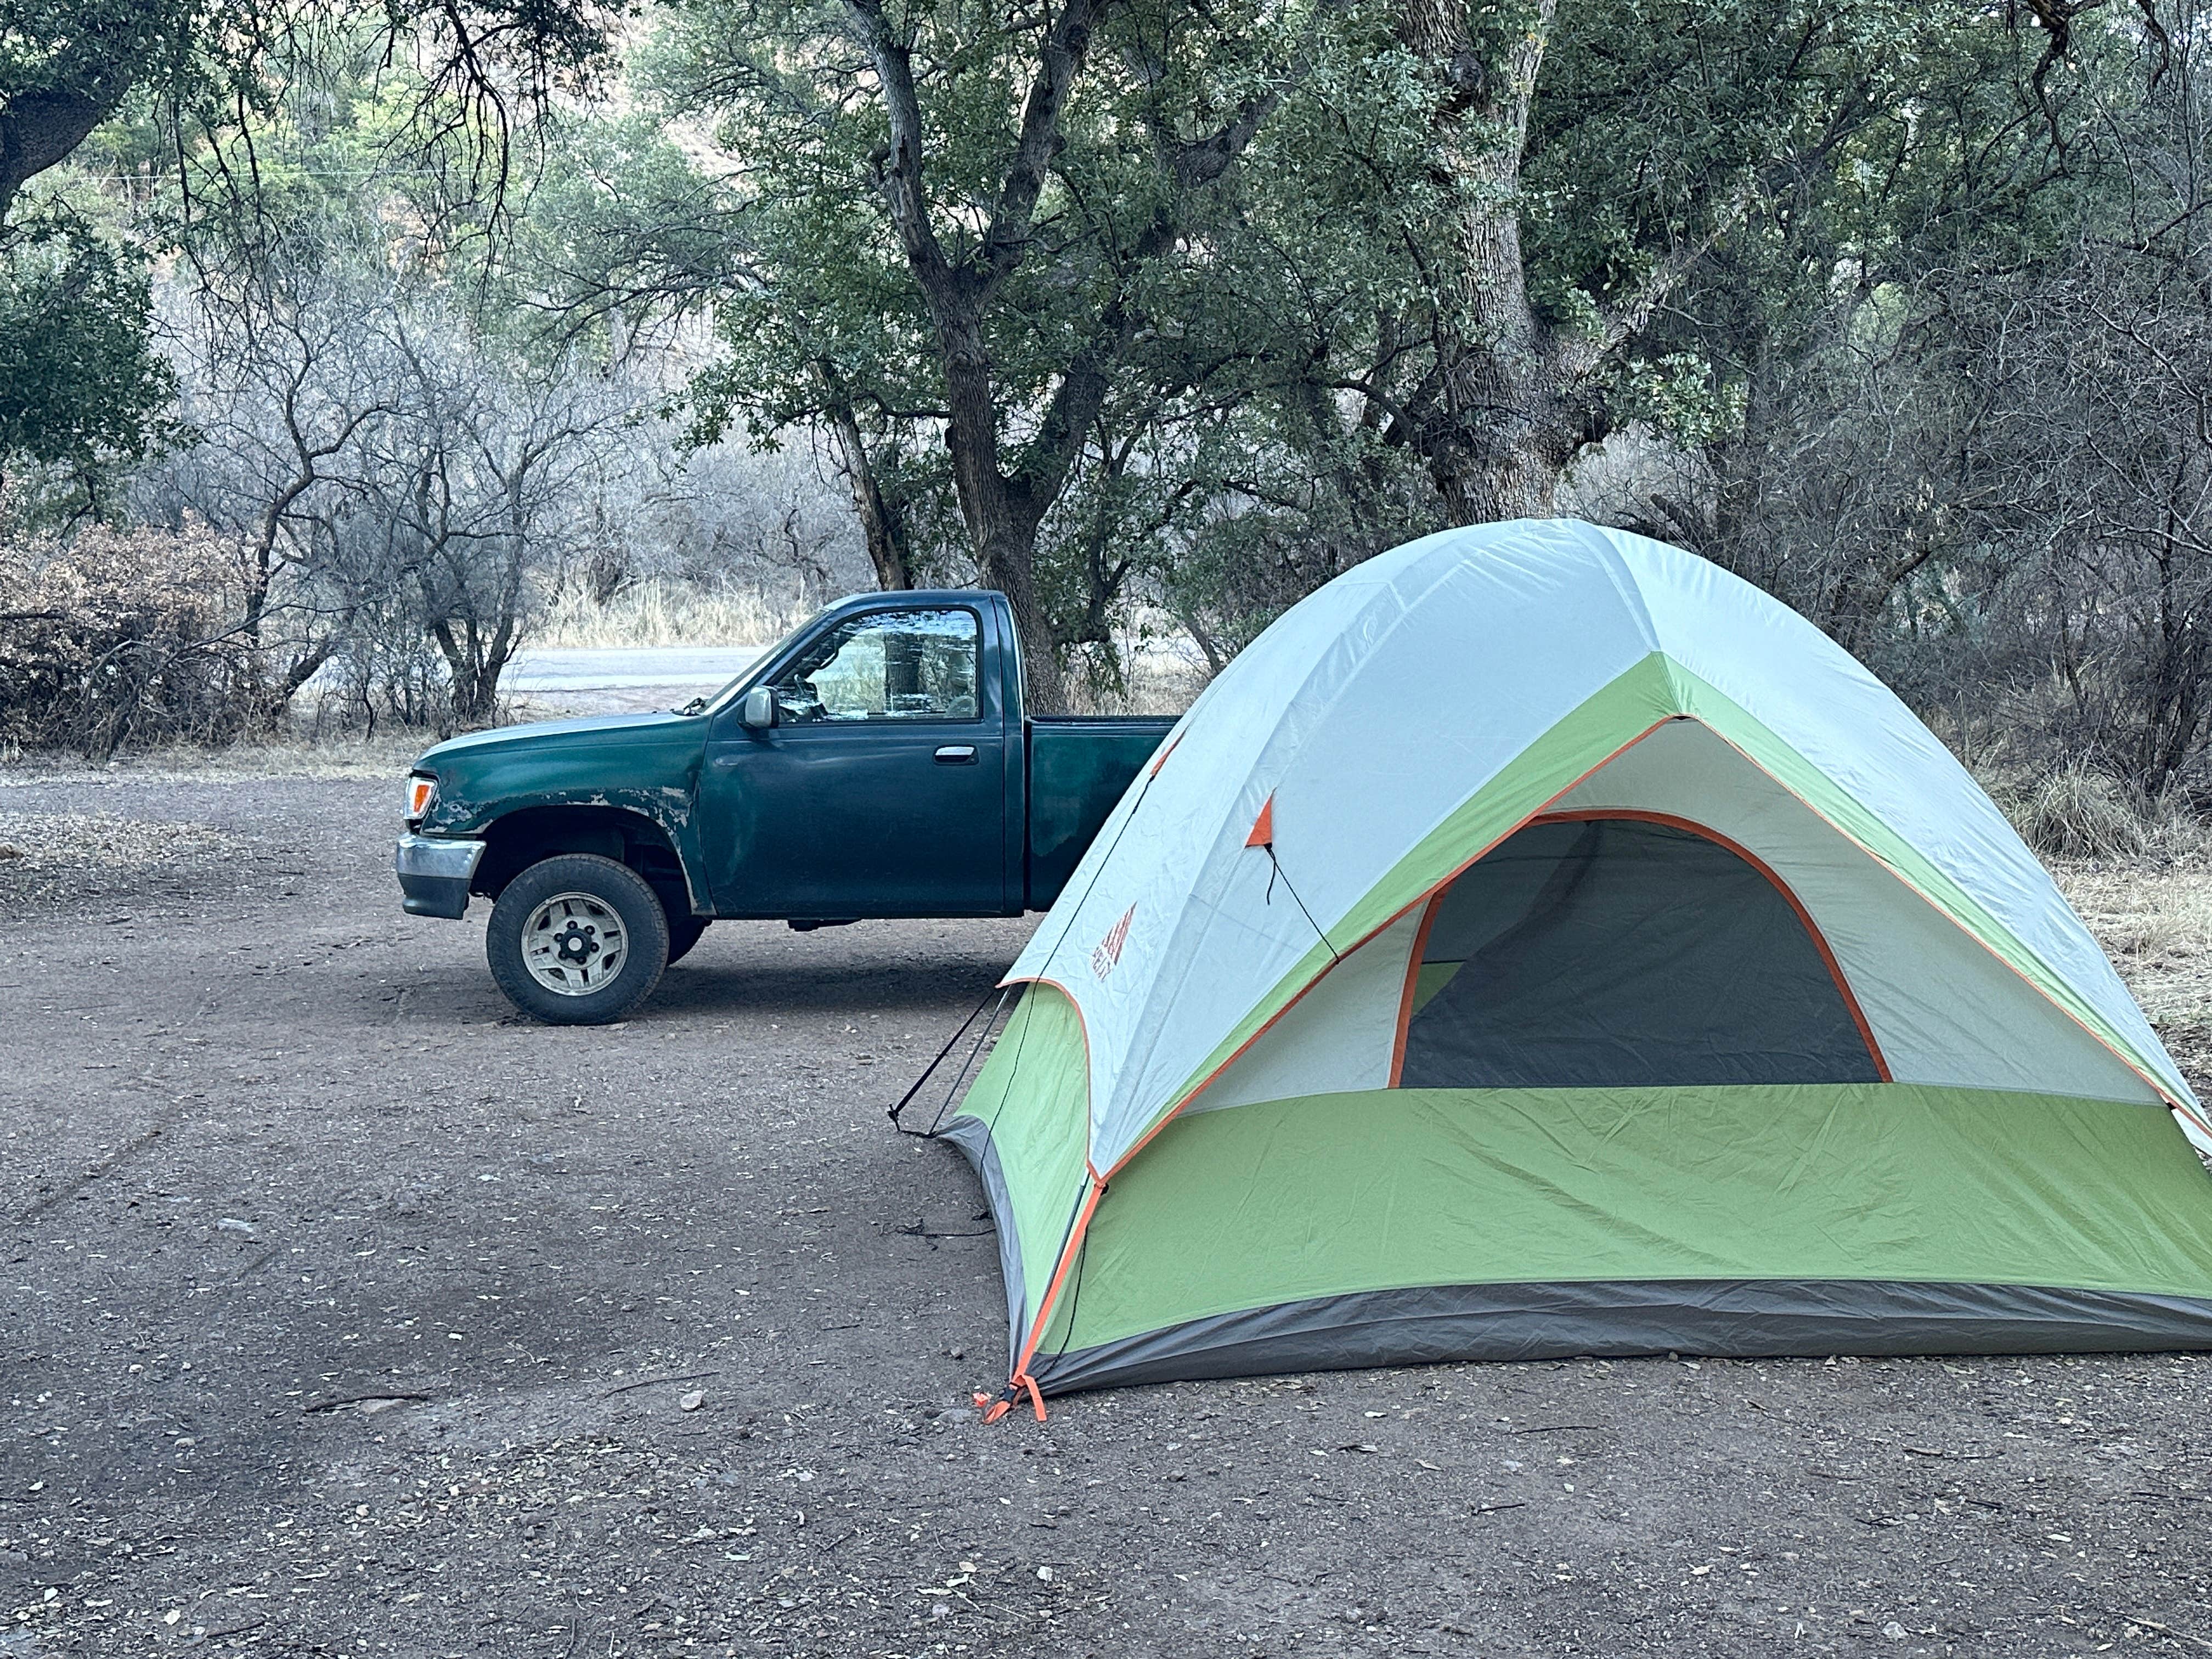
column 758, row 712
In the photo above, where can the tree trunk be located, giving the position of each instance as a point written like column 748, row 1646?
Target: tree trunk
column 883, row 521
column 458, row 650
column 39, row 128
column 1506, row 409
column 473, row 672
column 1008, row 563
column 1001, row 518
column 1001, row 513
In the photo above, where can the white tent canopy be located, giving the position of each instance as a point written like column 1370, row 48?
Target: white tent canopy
column 1400, row 721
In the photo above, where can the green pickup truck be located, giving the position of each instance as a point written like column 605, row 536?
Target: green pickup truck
column 878, row 762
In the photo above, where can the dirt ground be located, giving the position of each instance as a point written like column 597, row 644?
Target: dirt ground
column 343, row 1314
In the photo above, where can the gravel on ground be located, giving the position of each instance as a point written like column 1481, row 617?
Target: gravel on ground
column 344, row 1314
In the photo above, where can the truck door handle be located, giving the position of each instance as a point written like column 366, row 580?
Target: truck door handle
column 957, row 754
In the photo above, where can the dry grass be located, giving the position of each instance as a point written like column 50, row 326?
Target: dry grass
column 1161, row 673
column 2075, row 812
column 387, row 755
column 2154, row 917
column 666, row 613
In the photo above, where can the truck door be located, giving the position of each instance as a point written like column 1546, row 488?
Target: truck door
column 880, row 791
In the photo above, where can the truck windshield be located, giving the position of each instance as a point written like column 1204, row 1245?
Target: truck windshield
column 716, row 699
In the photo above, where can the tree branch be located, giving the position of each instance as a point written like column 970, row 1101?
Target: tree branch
column 898, row 170
column 1059, row 61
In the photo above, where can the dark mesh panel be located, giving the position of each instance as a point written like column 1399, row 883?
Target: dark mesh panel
column 1618, row 952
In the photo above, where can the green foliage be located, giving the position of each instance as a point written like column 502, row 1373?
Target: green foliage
column 1658, row 122
column 1204, row 292
column 1294, row 270
column 1275, row 340
column 70, row 48
column 1905, row 143
column 67, row 66
column 82, row 388
column 288, row 137
column 1679, row 395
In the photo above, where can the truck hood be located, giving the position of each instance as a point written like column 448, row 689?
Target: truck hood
column 484, row 745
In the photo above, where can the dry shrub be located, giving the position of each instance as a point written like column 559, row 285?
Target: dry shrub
column 115, row 636
column 2075, row 811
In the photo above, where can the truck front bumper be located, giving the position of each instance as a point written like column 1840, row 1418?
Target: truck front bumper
column 435, row 875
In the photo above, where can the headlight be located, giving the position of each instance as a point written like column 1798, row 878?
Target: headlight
column 420, row 792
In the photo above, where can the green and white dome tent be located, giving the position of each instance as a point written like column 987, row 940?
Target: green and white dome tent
column 1541, row 942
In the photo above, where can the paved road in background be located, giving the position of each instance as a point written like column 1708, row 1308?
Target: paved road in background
column 575, row 681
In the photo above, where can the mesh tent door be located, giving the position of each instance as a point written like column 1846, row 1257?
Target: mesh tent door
column 1622, row 951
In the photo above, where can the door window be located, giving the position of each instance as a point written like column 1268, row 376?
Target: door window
column 888, row 665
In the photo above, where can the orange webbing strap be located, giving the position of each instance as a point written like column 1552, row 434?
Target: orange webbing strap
column 1023, row 1383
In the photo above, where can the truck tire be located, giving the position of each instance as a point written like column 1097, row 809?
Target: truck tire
column 683, row 932
column 577, row 940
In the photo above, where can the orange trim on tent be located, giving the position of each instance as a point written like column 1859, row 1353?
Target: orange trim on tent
column 1161, row 759
column 1804, row 916
column 1263, row 827
column 1412, row 984
column 1022, row 1379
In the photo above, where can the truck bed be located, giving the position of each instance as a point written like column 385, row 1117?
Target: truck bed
column 1078, row 767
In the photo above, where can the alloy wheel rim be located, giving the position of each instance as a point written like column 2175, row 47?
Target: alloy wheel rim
column 574, row 943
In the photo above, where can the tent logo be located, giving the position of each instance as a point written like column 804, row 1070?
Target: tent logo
column 1107, row 951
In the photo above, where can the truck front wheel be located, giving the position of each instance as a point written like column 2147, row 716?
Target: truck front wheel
column 577, row 940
